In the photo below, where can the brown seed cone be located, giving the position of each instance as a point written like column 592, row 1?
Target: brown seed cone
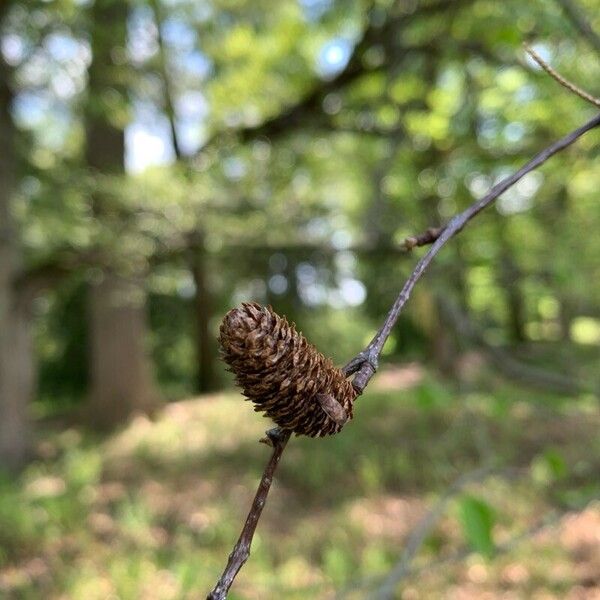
column 284, row 375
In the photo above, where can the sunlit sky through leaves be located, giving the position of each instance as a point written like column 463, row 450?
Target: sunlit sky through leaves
column 149, row 141
column 56, row 74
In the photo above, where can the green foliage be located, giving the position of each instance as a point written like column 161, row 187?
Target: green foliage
column 477, row 519
column 153, row 510
column 416, row 128
column 310, row 154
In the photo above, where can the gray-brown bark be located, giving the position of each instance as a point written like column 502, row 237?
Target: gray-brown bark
column 17, row 376
column 119, row 370
column 120, row 374
column 16, row 357
column 510, row 284
column 206, row 349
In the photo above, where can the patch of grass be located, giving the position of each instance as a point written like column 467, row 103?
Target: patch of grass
column 152, row 511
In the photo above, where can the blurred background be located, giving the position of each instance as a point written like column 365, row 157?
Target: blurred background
column 162, row 161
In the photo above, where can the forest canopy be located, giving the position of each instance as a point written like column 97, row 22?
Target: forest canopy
column 163, row 161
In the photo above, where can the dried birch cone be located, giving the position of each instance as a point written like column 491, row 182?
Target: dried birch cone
column 284, row 375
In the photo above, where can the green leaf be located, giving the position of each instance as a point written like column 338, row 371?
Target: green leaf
column 477, row 520
column 549, row 466
column 556, row 463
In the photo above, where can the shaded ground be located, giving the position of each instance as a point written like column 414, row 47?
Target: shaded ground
column 152, row 511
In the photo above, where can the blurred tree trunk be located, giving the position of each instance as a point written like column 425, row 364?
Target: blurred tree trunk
column 459, row 275
column 16, row 355
column 206, row 350
column 206, row 376
column 510, row 283
column 565, row 316
column 444, row 350
column 448, row 342
column 554, row 217
column 120, row 373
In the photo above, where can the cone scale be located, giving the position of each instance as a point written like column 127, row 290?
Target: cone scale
column 284, row 375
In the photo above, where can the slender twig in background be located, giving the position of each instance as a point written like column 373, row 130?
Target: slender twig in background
column 461, row 554
column 509, row 545
column 507, row 364
column 241, row 551
column 421, row 531
column 562, row 80
column 163, row 68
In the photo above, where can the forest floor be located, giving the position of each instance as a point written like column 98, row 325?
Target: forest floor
column 152, row 511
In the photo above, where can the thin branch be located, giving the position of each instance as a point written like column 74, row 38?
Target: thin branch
column 310, row 104
column 365, row 363
column 562, row 80
column 549, row 520
column 164, row 74
column 241, row 551
column 422, row 530
column 507, row 364
column 460, row 555
column 433, row 233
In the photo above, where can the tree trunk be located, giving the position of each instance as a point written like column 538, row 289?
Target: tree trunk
column 120, row 374
column 515, row 303
column 445, row 346
column 16, row 357
column 565, row 316
column 555, row 216
column 17, row 377
column 510, row 282
column 206, row 350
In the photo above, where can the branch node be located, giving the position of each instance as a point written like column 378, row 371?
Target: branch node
column 273, row 437
column 410, row 242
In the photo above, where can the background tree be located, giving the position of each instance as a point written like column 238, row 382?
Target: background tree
column 120, row 375
column 17, row 373
column 172, row 159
